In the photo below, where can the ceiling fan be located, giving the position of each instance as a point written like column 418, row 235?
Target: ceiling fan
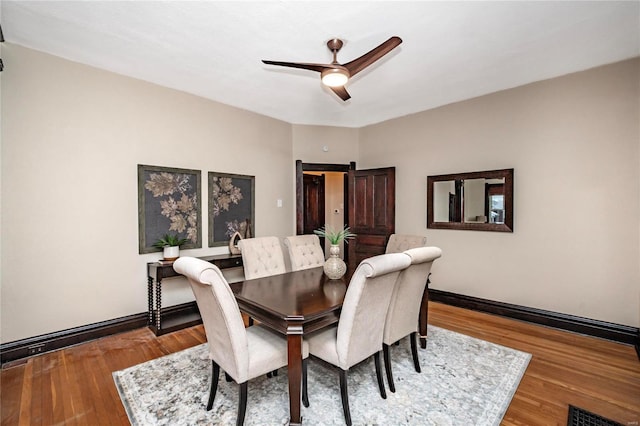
column 336, row 75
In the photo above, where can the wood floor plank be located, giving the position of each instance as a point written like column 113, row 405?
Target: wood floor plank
column 11, row 389
column 36, row 391
column 56, row 387
column 46, row 398
column 27, row 391
column 75, row 385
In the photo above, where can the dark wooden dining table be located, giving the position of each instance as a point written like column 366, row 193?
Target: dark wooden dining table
column 294, row 304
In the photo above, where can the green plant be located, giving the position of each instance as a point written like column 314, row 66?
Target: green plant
column 335, row 237
column 170, row 241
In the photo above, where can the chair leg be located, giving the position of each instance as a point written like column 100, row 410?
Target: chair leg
column 345, row 396
column 305, row 395
column 242, row 404
column 250, row 321
column 414, row 351
column 383, row 392
column 387, row 367
column 215, row 373
column 227, row 377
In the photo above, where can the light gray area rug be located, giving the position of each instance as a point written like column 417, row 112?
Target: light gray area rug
column 464, row 381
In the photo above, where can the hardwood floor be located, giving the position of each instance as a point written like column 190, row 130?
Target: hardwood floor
column 74, row 386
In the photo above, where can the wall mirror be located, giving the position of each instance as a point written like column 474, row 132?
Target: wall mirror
column 477, row 201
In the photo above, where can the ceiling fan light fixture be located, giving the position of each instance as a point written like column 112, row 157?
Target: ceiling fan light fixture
column 334, row 77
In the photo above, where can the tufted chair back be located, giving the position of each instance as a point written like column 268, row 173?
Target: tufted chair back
column 398, row 243
column 404, row 309
column 262, row 257
column 366, row 302
column 304, row 251
column 223, row 325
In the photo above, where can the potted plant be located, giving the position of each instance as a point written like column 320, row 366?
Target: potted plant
column 334, row 266
column 335, row 237
column 170, row 245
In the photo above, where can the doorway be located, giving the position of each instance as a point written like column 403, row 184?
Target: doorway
column 323, row 203
column 369, row 206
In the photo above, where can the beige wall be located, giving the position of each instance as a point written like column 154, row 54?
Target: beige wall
column 309, row 143
column 574, row 144
column 72, row 137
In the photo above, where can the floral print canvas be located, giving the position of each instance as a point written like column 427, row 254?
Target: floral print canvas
column 168, row 203
column 231, row 207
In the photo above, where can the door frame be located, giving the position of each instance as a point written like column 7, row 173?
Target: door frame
column 316, row 167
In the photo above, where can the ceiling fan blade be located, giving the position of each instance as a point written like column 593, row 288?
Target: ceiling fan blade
column 311, row 67
column 373, row 55
column 342, row 92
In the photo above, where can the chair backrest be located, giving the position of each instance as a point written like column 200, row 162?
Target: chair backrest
column 404, row 308
column 223, row 325
column 262, row 257
column 398, row 243
column 365, row 307
column 304, row 251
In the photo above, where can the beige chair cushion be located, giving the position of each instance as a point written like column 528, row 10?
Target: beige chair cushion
column 404, row 309
column 262, row 257
column 359, row 331
column 304, row 251
column 398, row 243
column 265, row 347
column 243, row 354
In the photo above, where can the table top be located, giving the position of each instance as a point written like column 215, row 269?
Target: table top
column 211, row 258
column 306, row 297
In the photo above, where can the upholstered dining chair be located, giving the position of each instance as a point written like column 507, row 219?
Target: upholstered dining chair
column 358, row 334
column 242, row 353
column 262, row 257
column 398, row 242
column 304, row 251
column 404, row 308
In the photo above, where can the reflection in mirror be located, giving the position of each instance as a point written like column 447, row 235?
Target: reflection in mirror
column 476, row 201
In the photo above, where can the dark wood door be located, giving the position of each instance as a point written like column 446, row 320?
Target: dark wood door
column 313, row 209
column 372, row 212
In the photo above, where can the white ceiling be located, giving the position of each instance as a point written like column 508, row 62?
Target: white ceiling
column 451, row 51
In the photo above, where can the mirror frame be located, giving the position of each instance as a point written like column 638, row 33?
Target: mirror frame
column 507, row 226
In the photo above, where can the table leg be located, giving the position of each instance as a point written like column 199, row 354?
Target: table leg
column 424, row 314
column 158, row 306
column 294, row 348
column 150, row 299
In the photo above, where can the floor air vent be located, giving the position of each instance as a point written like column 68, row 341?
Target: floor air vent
column 580, row 417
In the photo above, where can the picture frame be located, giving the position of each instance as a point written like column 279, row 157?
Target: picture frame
column 231, row 207
column 169, row 202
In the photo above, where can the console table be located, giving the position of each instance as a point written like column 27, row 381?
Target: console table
column 187, row 317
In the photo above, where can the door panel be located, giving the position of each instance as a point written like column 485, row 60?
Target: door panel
column 313, row 203
column 371, row 211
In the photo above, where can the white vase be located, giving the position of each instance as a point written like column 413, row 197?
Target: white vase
column 171, row 252
column 334, row 267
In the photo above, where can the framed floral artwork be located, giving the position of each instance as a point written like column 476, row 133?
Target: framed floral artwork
column 231, row 207
column 168, row 203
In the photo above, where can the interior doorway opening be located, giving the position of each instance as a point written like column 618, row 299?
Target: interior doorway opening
column 322, row 198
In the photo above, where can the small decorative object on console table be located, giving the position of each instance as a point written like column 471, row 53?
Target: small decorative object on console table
column 170, row 245
column 244, row 231
column 334, row 267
